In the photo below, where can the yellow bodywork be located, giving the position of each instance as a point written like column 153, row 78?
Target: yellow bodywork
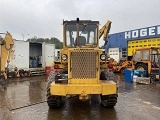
column 144, row 43
column 104, row 88
column 79, row 83
column 83, row 63
column 6, row 47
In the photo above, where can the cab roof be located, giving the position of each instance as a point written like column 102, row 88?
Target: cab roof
column 80, row 22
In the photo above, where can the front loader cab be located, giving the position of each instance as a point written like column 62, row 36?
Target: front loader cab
column 83, row 34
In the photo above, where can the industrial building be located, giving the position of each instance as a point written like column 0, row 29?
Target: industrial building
column 120, row 44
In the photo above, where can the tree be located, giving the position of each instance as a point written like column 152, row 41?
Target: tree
column 53, row 40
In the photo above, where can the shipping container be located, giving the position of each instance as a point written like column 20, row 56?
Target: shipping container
column 30, row 56
column 19, row 56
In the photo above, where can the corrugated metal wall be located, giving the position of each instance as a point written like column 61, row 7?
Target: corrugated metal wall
column 116, row 40
column 120, row 39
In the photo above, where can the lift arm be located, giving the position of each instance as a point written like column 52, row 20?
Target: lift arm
column 105, row 30
column 6, row 47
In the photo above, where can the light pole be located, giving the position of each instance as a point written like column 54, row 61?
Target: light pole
column 29, row 37
column 23, row 37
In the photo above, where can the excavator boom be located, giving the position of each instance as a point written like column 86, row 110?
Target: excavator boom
column 6, row 47
column 105, row 30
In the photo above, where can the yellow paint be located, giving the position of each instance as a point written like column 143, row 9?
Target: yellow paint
column 109, row 87
column 104, row 88
column 6, row 47
column 84, row 82
column 144, row 43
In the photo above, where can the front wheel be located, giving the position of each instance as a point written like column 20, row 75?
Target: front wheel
column 109, row 100
column 54, row 101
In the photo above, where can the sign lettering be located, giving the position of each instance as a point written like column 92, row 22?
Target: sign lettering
column 145, row 32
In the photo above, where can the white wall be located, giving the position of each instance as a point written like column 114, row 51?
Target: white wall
column 114, row 53
column 48, row 54
column 19, row 55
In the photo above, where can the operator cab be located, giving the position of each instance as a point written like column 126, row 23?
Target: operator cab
column 154, row 58
column 81, row 34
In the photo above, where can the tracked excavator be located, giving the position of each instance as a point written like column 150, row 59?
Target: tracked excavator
column 5, row 51
column 82, row 67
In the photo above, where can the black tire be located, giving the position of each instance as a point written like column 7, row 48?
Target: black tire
column 153, row 77
column 54, row 101
column 142, row 65
column 109, row 101
column 103, row 75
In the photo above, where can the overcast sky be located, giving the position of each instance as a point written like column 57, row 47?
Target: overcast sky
column 43, row 18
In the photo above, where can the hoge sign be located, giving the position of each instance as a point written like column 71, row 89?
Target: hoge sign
column 144, row 32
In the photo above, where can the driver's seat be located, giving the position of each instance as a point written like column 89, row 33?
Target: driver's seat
column 81, row 41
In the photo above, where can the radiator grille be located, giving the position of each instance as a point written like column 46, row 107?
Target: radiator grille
column 83, row 64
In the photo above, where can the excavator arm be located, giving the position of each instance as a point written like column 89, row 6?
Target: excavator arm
column 104, row 31
column 6, row 47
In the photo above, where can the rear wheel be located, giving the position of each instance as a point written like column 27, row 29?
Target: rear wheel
column 141, row 66
column 109, row 100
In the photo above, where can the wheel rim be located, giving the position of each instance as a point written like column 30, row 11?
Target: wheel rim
column 140, row 68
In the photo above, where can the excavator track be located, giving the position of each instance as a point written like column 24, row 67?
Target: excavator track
column 109, row 100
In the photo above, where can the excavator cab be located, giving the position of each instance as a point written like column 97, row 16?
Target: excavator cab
column 82, row 68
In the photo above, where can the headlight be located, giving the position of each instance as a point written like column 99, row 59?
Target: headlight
column 102, row 56
column 64, row 57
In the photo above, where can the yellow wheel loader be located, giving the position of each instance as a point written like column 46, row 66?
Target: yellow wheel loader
column 5, row 51
column 82, row 69
column 145, row 58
